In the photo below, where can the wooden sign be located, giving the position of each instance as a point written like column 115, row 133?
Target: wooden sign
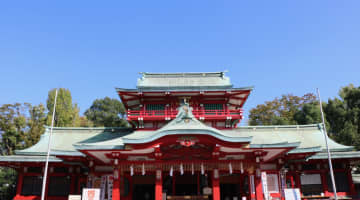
column 74, row 197
column 292, row 194
column 91, row 194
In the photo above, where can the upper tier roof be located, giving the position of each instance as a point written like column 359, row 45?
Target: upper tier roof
column 213, row 80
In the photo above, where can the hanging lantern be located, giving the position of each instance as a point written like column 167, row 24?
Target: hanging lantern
column 241, row 168
column 230, row 168
column 143, row 169
column 171, row 171
column 202, row 169
column 181, row 169
column 192, row 169
column 131, row 170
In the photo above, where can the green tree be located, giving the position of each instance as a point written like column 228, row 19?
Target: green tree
column 66, row 113
column 107, row 112
column 20, row 127
column 344, row 116
column 281, row 111
column 12, row 128
column 35, row 124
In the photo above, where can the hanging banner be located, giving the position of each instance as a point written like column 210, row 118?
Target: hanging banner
column 103, row 187
column 264, row 185
column 91, row 194
column 89, row 182
column 252, row 184
column 110, row 179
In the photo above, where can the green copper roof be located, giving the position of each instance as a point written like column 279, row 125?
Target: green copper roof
column 24, row 158
column 336, row 155
column 63, row 139
column 184, row 123
column 67, row 141
column 183, row 80
column 310, row 137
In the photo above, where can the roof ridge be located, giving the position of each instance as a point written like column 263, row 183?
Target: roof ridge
column 183, row 74
column 87, row 128
column 282, row 126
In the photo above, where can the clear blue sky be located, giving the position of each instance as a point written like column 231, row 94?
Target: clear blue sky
column 91, row 47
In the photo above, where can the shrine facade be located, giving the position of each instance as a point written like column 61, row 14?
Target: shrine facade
column 184, row 143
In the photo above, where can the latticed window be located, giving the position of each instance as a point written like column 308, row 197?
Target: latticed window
column 155, row 107
column 59, row 186
column 213, row 106
column 31, row 185
column 341, row 182
column 311, row 184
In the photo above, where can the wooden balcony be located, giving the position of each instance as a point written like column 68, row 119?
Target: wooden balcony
column 159, row 115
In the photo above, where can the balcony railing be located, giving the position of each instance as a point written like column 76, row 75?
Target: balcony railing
column 171, row 114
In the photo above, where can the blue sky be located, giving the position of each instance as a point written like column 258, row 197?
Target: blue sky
column 91, row 47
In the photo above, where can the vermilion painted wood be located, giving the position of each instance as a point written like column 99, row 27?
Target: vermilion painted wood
column 216, row 188
column 258, row 189
column 158, row 188
column 116, row 189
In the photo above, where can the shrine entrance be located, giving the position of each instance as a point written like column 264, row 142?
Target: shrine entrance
column 143, row 187
column 234, row 186
column 185, row 186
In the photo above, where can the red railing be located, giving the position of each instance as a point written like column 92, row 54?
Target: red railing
column 171, row 114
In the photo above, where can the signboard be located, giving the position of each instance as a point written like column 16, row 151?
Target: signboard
column 74, row 197
column 207, row 191
column 264, row 185
column 292, row 194
column 91, row 194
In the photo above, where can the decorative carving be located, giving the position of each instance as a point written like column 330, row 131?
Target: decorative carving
column 187, row 141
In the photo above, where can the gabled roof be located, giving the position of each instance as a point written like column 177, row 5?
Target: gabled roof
column 63, row 139
column 310, row 137
column 184, row 123
column 183, row 80
column 67, row 141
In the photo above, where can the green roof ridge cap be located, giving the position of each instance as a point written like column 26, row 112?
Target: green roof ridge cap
column 85, row 128
column 281, row 126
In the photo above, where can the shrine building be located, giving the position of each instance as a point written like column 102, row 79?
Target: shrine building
column 184, row 143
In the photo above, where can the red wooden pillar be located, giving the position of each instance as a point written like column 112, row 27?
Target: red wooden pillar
column 158, row 185
column 116, row 185
column 324, row 183
column 351, row 183
column 19, row 182
column 216, row 185
column 258, row 188
column 72, row 181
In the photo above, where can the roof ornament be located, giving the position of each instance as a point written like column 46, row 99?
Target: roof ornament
column 185, row 113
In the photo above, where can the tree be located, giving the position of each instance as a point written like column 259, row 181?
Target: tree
column 35, row 124
column 107, row 112
column 12, row 128
column 66, row 113
column 20, row 127
column 344, row 116
column 281, row 111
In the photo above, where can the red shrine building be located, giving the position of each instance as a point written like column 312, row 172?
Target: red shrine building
column 184, row 143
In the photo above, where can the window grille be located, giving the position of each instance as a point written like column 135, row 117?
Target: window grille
column 213, row 106
column 311, row 184
column 341, row 182
column 59, row 186
column 155, row 107
column 31, row 185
